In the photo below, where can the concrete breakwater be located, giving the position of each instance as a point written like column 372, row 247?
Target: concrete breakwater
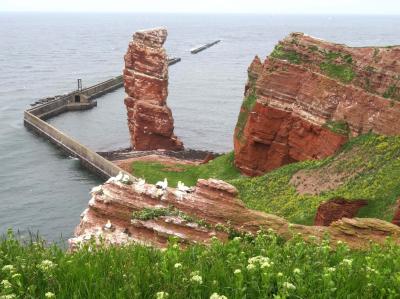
column 35, row 120
column 203, row 47
column 76, row 100
column 80, row 99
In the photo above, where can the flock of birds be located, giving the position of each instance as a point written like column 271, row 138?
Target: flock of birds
column 180, row 187
column 161, row 187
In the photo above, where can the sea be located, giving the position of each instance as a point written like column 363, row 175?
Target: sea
column 43, row 191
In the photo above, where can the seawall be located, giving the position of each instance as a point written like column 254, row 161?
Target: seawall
column 68, row 102
column 35, row 120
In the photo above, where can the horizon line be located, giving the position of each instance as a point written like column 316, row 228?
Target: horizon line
column 203, row 13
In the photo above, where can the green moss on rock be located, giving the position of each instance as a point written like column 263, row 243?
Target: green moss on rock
column 339, row 127
column 280, row 52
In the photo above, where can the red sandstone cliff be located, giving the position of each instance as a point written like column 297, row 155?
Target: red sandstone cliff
column 309, row 96
column 212, row 210
column 150, row 121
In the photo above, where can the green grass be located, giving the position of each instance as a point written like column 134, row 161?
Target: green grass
column 263, row 266
column 341, row 72
column 222, row 167
column 339, row 127
column 339, row 66
column 391, row 92
column 247, row 106
column 279, row 52
column 374, row 159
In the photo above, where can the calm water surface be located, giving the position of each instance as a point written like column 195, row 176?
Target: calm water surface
column 43, row 55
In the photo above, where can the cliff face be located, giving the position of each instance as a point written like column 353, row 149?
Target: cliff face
column 146, row 84
column 139, row 212
column 309, row 96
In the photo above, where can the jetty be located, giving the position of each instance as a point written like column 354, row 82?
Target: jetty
column 80, row 99
column 203, row 47
column 173, row 60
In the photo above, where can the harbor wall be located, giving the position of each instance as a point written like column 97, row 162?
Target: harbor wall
column 34, row 120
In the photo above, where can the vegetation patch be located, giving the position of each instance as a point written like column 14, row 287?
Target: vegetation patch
column 313, row 48
column 221, row 167
column 262, row 266
column 341, row 72
column 154, row 213
column 339, row 127
column 374, row 159
column 247, row 106
column 392, row 92
column 280, row 52
column 339, row 66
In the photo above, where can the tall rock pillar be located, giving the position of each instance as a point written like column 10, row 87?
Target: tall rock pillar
column 150, row 121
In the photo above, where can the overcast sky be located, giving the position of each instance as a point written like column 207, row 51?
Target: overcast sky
column 210, row 6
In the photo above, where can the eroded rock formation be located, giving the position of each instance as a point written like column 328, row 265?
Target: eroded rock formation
column 309, row 96
column 336, row 209
column 150, row 121
column 210, row 211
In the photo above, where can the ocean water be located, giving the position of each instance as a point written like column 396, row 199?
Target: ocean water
column 42, row 190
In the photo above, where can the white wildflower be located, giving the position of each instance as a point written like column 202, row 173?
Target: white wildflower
column 8, row 268
column 9, row 296
column 6, row 284
column 238, row 239
column 162, row 295
column 296, row 271
column 347, row 262
column 46, row 265
column 331, row 269
column 197, row 279
column 178, row 266
column 289, row 286
column 262, row 261
column 50, row 295
column 250, row 267
column 237, row 271
column 280, row 274
column 217, row 296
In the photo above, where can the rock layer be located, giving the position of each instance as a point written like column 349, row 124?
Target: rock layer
column 309, row 96
column 150, row 121
column 336, row 209
column 212, row 210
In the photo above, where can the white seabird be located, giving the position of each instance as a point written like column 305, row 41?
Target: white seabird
column 181, row 187
column 162, row 184
column 108, row 225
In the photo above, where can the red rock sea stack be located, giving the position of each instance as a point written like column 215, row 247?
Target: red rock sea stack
column 296, row 100
column 150, row 121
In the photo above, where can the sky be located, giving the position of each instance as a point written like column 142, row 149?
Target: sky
column 390, row 7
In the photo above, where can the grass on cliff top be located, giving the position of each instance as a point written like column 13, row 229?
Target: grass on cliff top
column 263, row 266
column 368, row 167
column 221, row 167
column 280, row 52
column 338, row 66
